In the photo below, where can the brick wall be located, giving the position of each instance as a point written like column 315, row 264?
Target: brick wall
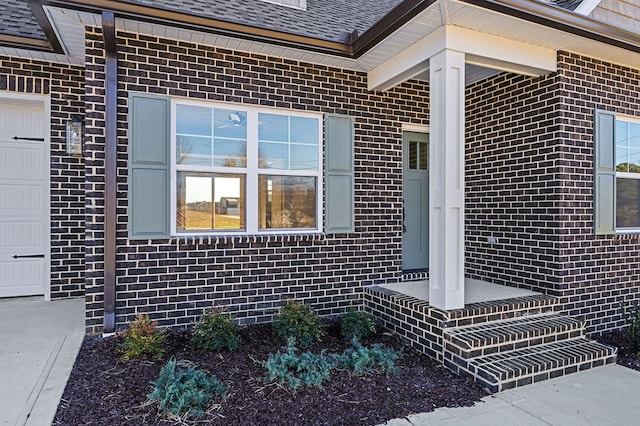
column 64, row 85
column 174, row 280
column 530, row 184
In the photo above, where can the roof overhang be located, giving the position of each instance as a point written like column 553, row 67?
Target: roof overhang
column 539, row 28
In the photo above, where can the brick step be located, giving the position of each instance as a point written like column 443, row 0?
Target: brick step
column 507, row 335
column 497, row 310
column 521, row 367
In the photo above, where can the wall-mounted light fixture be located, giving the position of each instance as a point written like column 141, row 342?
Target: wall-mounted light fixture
column 75, row 135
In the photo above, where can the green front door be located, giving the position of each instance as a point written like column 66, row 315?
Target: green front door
column 415, row 194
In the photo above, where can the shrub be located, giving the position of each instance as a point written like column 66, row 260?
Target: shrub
column 143, row 339
column 306, row 369
column 357, row 324
column 215, row 331
column 632, row 319
column 298, row 321
column 364, row 360
column 185, row 392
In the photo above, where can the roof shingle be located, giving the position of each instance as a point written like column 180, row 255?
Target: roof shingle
column 16, row 19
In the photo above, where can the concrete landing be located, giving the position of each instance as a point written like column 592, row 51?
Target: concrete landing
column 601, row 396
column 40, row 341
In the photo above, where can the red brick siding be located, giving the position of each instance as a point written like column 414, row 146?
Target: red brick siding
column 64, row 84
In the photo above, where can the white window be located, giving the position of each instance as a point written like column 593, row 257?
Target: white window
column 244, row 170
column 297, row 4
column 627, row 152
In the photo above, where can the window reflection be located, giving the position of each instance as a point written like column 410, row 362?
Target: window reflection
column 287, row 202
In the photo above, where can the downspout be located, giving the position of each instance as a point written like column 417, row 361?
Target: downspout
column 110, row 168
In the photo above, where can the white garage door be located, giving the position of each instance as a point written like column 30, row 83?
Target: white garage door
column 24, row 195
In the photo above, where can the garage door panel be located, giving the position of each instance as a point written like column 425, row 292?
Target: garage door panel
column 23, row 200
column 24, row 195
column 22, row 161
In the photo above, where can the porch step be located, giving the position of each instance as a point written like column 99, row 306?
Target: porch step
column 507, row 335
column 520, row 367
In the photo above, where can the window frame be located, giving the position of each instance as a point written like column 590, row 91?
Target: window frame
column 251, row 171
column 624, row 175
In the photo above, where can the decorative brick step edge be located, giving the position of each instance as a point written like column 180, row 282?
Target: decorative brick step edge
column 497, row 310
column 508, row 335
column 525, row 366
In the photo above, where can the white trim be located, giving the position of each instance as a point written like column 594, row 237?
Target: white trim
column 301, row 4
column 586, row 7
column 251, row 170
column 45, row 101
column 416, row 128
column 481, row 49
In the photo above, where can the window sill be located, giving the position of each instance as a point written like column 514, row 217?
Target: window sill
column 210, row 240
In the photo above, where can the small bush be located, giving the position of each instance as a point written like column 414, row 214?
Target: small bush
column 357, row 324
column 143, row 339
column 185, row 392
column 364, row 360
column 306, row 369
column 632, row 319
column 215, row 331
column 298, row 321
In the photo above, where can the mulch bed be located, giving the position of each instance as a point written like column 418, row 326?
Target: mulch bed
column 627, row 357
column 103, row 390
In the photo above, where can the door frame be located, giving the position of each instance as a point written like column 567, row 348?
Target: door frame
column 413, row 128
column 45, row 102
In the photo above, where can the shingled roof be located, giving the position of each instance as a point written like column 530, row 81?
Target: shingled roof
column 323, row 19
column 16, row 19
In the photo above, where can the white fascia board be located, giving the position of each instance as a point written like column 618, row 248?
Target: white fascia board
column 501, row 53
column 480, row 49
column 586, row 7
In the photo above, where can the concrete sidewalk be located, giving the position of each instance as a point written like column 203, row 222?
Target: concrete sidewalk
column 39, row 344
column 600, row 396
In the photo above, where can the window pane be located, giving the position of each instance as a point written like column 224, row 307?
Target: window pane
column 413, row 155
column 634, row 135
column 634, row 161
column 230, row 124
column 304, row 157
column 208, row 201
column 193, row 120
column 304, row 130
column 287, row 202
column 229, row 153
column 627, row 203
column 424, row 156
column 273, row 155
column 272, row 127
column 193, row 150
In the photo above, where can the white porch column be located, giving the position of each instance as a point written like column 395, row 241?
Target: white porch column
column 446, row 179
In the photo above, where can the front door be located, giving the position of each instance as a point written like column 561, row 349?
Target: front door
column 415, row 194
column 24, row 189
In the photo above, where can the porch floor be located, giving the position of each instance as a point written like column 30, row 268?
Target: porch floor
column 475, row 291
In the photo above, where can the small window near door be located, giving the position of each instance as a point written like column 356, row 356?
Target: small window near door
column 418, row 155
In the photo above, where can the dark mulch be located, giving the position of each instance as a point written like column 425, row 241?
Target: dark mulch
column 105, row 391
column 626, row 355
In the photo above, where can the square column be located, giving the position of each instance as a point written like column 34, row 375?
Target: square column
column 446, row 179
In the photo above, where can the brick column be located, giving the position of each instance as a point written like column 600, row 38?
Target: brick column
column 446, row 180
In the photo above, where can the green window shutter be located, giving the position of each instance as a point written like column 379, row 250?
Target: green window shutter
column 149, row 168
column 339, row 205
column 604, row 191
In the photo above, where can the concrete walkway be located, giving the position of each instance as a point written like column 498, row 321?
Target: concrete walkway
column 39, row 342
column 601, row 396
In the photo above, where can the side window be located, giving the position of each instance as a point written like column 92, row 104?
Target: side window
column 245, row 170
column 627, row 156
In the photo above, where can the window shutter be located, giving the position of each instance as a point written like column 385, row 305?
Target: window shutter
column 604, row 191
column 149, row 141
column 339, row 206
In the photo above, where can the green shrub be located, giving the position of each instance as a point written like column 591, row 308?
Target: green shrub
column 306, row 369
column 632, row 319
column 364, row 360
column 143, row 339
column 185, row 392
column 215, row 331
column 298, row 321
column 357, row 324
